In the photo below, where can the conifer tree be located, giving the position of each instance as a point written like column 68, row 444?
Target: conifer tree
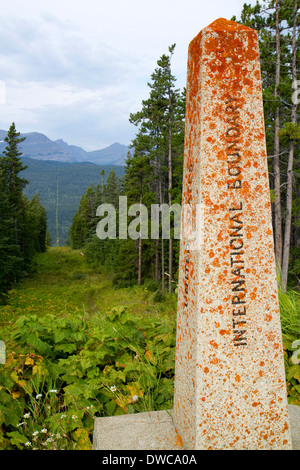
column 23, row 223
column 153, row 175
column 277, row 23
column 10, row 253
column 159, row 121
column 12, row 165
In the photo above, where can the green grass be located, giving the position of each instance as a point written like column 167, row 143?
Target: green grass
column 104, row 350
column 64, row 283
column 290, row 313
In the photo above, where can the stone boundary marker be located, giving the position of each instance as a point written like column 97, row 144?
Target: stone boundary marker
column 230, row 387
column 155, row 430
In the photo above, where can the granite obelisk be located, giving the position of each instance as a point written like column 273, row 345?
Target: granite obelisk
column 230, row 390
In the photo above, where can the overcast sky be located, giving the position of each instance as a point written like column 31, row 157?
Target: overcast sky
column 75, row 70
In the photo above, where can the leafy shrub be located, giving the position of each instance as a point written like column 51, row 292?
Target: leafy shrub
column 290, row 313
column 61, row 372
column 158, row 296
column 120, row 280
column 151, row 285
column 78, row 275
column 290, row 325
column 292, row 368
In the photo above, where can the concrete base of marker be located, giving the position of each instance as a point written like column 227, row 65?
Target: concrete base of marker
column 294, row 416
column 155, row 430
column 152, row 430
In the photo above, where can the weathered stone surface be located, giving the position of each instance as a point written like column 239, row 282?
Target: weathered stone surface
column 294, row 416
column 155, row 430
column 230, row 390
column 141, row 431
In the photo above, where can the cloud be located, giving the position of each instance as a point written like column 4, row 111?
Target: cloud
column 52, row 50
column 56, row 77
column 62, row 109
column 76, row 70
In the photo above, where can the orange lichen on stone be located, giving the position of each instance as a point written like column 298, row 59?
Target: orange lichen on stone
column 229, row 357
column 221, row 25
column 178, row 439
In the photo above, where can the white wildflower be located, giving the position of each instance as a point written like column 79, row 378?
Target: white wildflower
column 113, row 388
column 53, row 391
column 26, row 415
column 39, row 395
column 44, row 431
column 27, row 444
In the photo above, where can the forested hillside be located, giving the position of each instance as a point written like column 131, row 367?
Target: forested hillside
column 153, row 175
column 277, row 24
column 154, row 171
column 60, row 186
column 23, row 221
column 89, row 330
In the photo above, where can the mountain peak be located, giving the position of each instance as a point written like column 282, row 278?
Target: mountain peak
column 39, row 147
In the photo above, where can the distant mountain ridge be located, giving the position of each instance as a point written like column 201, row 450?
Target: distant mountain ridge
column 60, row 186
column 39, row 147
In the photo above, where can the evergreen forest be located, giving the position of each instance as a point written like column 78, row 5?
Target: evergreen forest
column 153, row 173
column 23, row 220
column 88, row 330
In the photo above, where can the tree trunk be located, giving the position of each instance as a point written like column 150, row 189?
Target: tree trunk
column 288, row 219
column 276, row 161
column 140, row 261
column 170, row 189
column 140, row 244
column 289, row 190
column 162, row 247
column 56, row 211
column 162, row 266
column 156, row 260
column 157, row 196
column 102, row 184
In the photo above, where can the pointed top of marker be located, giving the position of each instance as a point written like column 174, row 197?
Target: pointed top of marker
column 223, row 24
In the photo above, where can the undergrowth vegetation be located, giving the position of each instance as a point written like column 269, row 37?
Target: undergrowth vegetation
column 290, row 324
column 75, row 352
column 78, row 348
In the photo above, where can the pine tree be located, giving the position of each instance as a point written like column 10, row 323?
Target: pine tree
column 12, row 165
column 137, row 187
column 35, row 228
column 159, row 121
column 294, row 136
column 153, row 175
column 23, row 222
column 80, row 230
column 10, row 254
column 277, row 24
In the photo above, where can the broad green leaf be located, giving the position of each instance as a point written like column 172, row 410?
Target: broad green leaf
column 294, row 372
column 17, row 439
